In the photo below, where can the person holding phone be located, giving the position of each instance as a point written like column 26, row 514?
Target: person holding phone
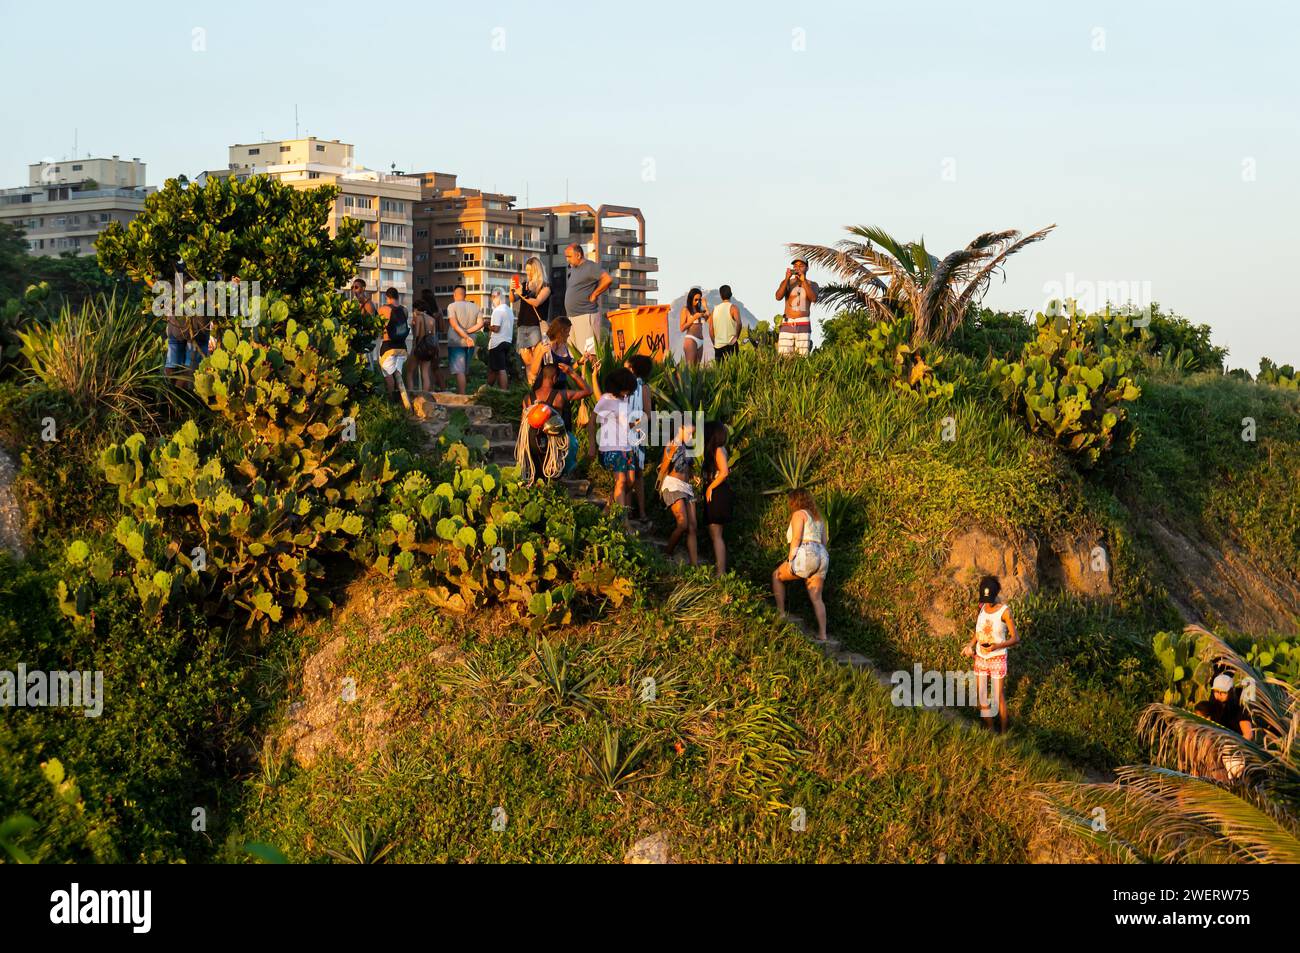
column 799, row 294
column 691, row 321
column 995, row 632
column 534, row 297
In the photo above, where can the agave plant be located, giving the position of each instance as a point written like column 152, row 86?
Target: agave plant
column 361, row 845
column 891, row 278
column 1178, row 812
column 105, row 356
column 613, row 764
column 794, row 468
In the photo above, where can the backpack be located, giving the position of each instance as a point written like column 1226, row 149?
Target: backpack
column 401, row 326
column 426, row 347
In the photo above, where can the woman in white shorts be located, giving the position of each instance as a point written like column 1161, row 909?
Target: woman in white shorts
column 808, row 558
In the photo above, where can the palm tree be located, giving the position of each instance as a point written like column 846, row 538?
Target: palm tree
column 891, row 278
column 1178, row 813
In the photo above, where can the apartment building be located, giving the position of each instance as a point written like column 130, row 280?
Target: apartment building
column 66, row 204
column 480, row 239
column 383, row 203
column 473, row 238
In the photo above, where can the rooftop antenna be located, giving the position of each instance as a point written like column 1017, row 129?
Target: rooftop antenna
column 566, row 191
column 295, row 120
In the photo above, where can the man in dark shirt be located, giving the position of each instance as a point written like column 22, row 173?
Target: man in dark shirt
column 1224, row 708
column 392, row 351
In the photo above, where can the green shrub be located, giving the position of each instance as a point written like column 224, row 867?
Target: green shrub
column 120, row 787
column 1186, row 662
column 894, row 362
column 483, row 538
column 239, row 514
column 1072, row 382
column 1283, row 376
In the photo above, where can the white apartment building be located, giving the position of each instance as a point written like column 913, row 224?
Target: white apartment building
column 384, row 204
column 66, row 204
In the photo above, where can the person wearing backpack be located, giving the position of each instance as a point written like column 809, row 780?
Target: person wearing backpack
column 424, row 352
column 392, row 347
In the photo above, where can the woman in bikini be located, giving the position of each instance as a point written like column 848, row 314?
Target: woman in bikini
column 691, row 320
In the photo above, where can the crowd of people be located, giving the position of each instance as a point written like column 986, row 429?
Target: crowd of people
column 425, row 350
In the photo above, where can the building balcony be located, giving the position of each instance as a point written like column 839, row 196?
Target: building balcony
column 628, row 283
column 497, row 241
column 635, row 262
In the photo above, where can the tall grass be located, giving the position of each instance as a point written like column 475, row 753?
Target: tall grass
column 105, row 358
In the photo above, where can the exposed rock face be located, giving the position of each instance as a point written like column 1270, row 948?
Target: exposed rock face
column 650, row 850
column 11, row 516
column 1079, row 565
column 1218, row 583
column 975, row 554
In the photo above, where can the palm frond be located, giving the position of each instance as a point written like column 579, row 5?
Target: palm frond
column 1244, row 825
column 1004, row 245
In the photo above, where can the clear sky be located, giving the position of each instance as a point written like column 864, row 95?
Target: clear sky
column 1161, row 138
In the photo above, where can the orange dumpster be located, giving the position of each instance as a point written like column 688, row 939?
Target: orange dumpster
column 647, row 324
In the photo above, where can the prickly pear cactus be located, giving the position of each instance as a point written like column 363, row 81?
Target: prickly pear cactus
column 1073, row 383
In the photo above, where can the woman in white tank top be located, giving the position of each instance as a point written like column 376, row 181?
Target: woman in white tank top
column 995, row 632
column 808, row 560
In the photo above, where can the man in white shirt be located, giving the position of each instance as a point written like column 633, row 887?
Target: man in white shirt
column 501, row 344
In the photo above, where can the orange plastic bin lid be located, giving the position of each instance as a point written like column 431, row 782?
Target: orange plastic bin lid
column 647, row 323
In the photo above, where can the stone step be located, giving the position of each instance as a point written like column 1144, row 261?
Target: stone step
column 854, row 659
column 576, row 485
column 495, row 430
column 451, row 398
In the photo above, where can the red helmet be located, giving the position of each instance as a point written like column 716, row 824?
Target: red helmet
column 538, row 415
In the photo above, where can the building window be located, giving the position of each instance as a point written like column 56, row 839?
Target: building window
column 103, row 216
column 313, row 175
column 284, row 148
column 254, row 152
column 320, row 148
column 76, row 168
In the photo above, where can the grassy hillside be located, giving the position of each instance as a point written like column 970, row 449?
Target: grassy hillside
column 455, row 716
column 748, row 722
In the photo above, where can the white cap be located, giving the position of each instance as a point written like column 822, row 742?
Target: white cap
column 1222, row 683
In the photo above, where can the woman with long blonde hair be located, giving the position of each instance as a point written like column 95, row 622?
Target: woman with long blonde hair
column 534, row 296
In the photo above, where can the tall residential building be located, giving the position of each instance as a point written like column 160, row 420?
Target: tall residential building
column 473, row 238
column 480, row 239
column 383, row 203
column 66, row 204
column 619, row 250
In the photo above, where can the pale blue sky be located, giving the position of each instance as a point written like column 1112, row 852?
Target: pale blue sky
column 1136, row 151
